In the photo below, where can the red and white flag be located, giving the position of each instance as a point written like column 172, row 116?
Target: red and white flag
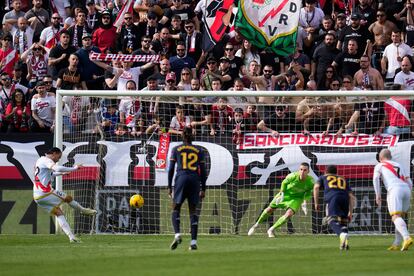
column 126, row 8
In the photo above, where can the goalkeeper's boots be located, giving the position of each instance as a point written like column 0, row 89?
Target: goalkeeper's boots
column 270, row 233
column 406, row 244
column 175, row 243
column 88, row 211
column 251, row 230
column 393, row 248
column 193, row 247
column 343, row 238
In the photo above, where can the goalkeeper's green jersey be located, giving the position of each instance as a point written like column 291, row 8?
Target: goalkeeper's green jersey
column 293, row 187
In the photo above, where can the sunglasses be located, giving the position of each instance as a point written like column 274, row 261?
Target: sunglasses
column 146, row 41
column 229, row 49
column 335, row 84
column 36, row 49
column 329, row 71
column 47, row 82
column 211, row 62
column 346, row 81
column 189, row 27
column 56, row 18
column 180, row 50
column 151, row 18
column 106, row 17
column 185, row 74
column 127, row 18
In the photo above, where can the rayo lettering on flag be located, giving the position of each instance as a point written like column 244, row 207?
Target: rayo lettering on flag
column 255, row 140
column 161, row 162
column 269, row 24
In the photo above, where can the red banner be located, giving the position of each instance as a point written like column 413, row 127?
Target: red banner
column 122, row 57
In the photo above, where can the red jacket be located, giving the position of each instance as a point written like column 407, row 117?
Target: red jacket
column 104, row 38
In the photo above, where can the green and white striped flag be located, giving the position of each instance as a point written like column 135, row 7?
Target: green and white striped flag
column 270, row 24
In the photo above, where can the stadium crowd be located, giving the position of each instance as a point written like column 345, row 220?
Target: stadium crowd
column 341, row 45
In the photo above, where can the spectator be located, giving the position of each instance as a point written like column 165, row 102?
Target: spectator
column 163, row 44
column 38, row 18
column 405, row 77
column 150, row 27
column 357, row 31
column 69, row 77
column 195, row 84
column 11, row 17
column 310, row 16
column 236, row 63
column 323, row 57
column 367, row 118
column 17, row 112
column 281, row 120
column 18, row 76
column 366, row 11
column 348, row 83
column 144, row 51
column 186, row 77
column 368, row 75
column 221, row 116
column 347, row 63
column 77, row 31
column 393, row 54
column 251, row 117
column 210, row 73
column 179, row 8
column 176, row 26
column 22, row 36
column 49, row 37
column 128, row 36
column 8, row 56
column 399, row 112
column 112, row 75
column 36, row 59
column 248, row 53
column 340, row 24
column 239, row 126
column 131, row 115
column 180, row 61
column 75, row 111
column 59, row 55
column 92, row 17
column 179, row 121
column 297, row 58
column 381, row 29
column 325, row 81
column 43, row 110
column 310, row 114
column 192, row 40
column 8, row 88
column 104, row 37
column 90, row 72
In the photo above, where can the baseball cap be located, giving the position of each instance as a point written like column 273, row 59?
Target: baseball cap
column 355, row 16
column 90, row 2
column 224, row 59
column 106, row 12
column 341, row 15
column 170, row 76
column 152, row 15
column 86, row 35
column 211, row 58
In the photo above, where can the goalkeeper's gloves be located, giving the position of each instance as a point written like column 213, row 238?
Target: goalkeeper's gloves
column 304, row 208
column 279, row 198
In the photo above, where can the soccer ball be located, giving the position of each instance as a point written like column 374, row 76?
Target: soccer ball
column 136, row 201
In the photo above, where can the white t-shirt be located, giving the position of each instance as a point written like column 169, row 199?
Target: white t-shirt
column 132, row 74
column 389, row 179
column 49, row 33
column 132, row 110
column 310, row 19
column 44, row 106
column 43, row 175
column 6, row 93
column 60, row 6
column 176, row 125
column 406, row 80
column 392, row 52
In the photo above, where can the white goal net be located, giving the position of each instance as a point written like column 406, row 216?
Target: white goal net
column 124, row 143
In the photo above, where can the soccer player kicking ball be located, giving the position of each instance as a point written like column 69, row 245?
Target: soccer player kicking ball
column 296, row 188
column 340, row 200
column 190, row 184
column 48, row 198
column 398, row 185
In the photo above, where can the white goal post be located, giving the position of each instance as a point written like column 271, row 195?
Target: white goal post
column 243, row 177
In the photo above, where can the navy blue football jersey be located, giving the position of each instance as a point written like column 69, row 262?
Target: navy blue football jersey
column 333, row 185
column 188, row 158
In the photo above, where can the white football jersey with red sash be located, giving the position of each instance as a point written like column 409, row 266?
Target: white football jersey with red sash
column 43, row 177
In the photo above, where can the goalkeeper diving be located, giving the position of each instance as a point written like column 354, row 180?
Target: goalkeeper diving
column 296, row 188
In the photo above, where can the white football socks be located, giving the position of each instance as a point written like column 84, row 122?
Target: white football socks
column 401, row 226
column 65, row 226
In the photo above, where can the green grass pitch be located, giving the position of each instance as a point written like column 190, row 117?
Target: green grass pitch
column 217, row 255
